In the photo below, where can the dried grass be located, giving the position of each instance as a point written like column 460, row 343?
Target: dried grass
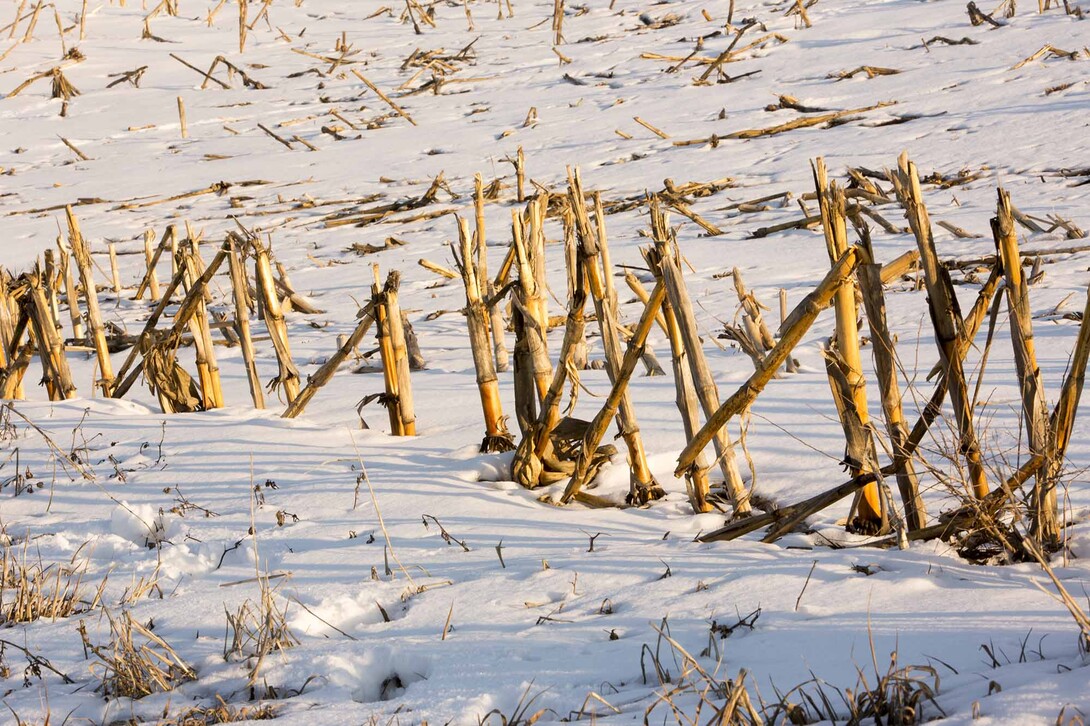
column 221, row 712
column 131, row 669
column 30, row 590
column 255, row 630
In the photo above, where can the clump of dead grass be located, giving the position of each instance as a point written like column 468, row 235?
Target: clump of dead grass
column 220, row 712
column 128, row 668
column 257, row 629
column 896, row 697
column 31, row 590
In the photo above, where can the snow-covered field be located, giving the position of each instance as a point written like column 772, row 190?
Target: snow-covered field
column 527, row 600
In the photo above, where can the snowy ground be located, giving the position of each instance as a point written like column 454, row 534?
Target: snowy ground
column 541, row 614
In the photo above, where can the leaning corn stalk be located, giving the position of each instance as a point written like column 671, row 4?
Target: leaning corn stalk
column 13, row 364
column 885, row 366
column 176, row 391
column 597, row 429
column 535, row 451
column 1034, row 408
column 207, row 367
column 696, row 480
column 497, row 437
column 150, row 280
column 128, row 374
column 324, row 374
column 56, row 374
column 91, row 294
column 852, row 406
column 707, row 392
column 1063, row 416
column 593, row 250
column 288, row 375
column 528, row 236
column 241, row 293
column 945, row 317
column 791, row 332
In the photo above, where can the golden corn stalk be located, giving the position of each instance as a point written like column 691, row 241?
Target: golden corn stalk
column 796, row 325
column 945, row 317
column 94, row 315
column 611, row 407
column 594, row 251
column 241, row 293
column 688, row 404
column 497, row 437
column 852, row 405
column 495, row 320
column 1045, row 525
column 531, row 295
column 288, row 376
column 13, row 362
column 668, row 265
column 885, row 366
column 394, row 353
column 43, row 327
column 207, row 367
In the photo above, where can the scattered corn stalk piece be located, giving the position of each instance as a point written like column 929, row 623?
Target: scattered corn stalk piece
column 400, row 111
column 799, row 123
column 1047, row 50
column 870, row 71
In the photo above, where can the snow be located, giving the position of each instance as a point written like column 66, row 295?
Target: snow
column 532, row 613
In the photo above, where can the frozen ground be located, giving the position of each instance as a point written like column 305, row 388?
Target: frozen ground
column 543, row 618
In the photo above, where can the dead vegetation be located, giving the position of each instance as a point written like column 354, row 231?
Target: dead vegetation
column 688, row 693
column 256, row 630
column 219, row 713
column 994, row 520
column 32, row 590
column 136, row 662
column 554, row 446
